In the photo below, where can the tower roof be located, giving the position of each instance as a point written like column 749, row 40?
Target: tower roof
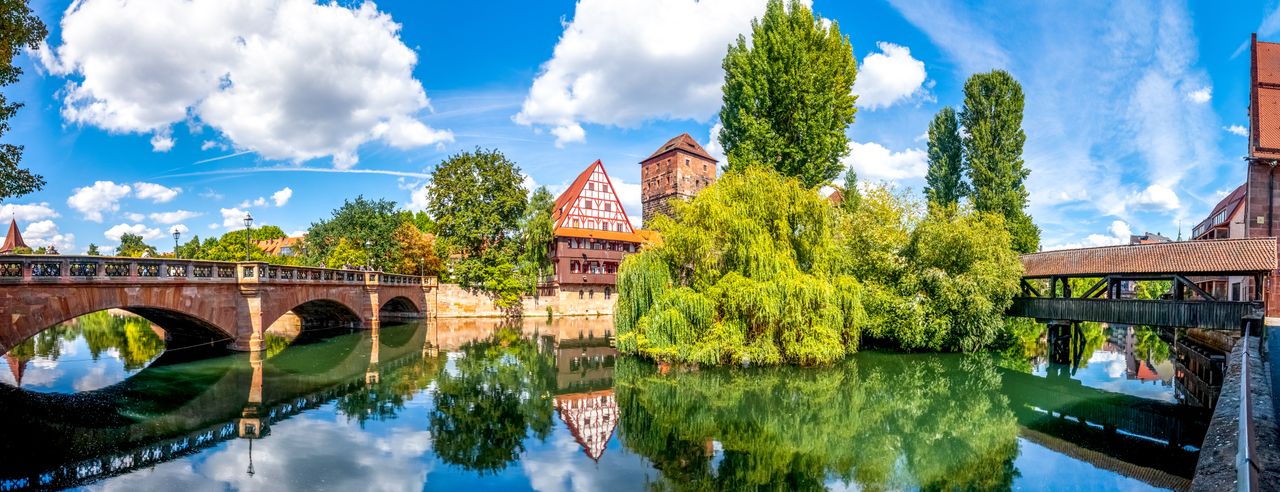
column 1264, row 101
column 13, row 240
column 683, row 142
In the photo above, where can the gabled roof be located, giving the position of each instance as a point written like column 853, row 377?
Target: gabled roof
column 1211, row 257
column 1230, row 203
column 683, row 142
column 565, row 199
column 13, row 240
column 1264, row 101
column 568, row 205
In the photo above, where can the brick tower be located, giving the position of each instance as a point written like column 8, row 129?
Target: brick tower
column 680, row 169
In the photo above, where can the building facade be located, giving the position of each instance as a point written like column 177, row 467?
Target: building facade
column 679, row 169
column 592, row 236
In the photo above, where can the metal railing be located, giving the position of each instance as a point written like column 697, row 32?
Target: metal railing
column 1246, row 472
column 97, row 269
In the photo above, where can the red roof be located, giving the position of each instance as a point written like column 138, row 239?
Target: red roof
column 1229, row 203
column 13, row 240
column 683, row 142
column 1219, row 256
column 571, row 194
column 1264, row 103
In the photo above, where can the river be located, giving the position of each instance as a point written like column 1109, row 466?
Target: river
column 99, row 404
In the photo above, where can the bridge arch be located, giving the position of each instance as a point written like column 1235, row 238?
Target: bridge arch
column 400, row 306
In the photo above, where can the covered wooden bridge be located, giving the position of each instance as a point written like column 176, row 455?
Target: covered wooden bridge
column 1114, row 270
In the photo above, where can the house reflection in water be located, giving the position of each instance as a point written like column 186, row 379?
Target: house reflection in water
column 584, row 391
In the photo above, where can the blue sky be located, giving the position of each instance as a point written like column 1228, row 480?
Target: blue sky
column 146, row 116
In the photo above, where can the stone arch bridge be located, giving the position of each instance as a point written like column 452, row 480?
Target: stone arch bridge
column 198, row 300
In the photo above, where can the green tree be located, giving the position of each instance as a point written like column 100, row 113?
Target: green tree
column 190, row 249
column 93, row 250
column 231, row 246
column 19, row 28
column 788, row 95
column 477, row 202
column 537, row 231
column 133, row 246
column 992, row 119
column 417, row 252
column 945, row 180
column 850, row 193
column 363, row 224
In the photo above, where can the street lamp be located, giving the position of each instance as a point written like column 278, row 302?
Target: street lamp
column 176, row 235
column 248, row 221
column 368, row 244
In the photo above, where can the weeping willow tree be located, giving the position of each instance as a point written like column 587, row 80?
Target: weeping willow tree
column 760, row 269
column 749, row 273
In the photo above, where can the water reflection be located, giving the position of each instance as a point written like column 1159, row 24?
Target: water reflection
column 87, row 353
column 551, row 406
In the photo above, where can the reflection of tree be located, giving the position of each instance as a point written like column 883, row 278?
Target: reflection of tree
column 885, row 421
column 130, row 336
column 383, row 399
column 497, row 394
column 1149, row 346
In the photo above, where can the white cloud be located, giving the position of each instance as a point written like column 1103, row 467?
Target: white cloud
column 210, row 194
column 232, row 218
column 888, row 77
column 27, row 212
column 181, row 228
column 156, row 193
column 1118, row 233
column 100, row 197
column 1201, row 95
column 419, row 198
column 298, row 233
column 625, row 62
column 46, row 233
column 1155, row 198
column 713, row 144
column 629, row 196
column 873, row 161
column 1237, row 130
column 174, row 216
column 288, row 79
column 162, row 141
column 569, row 133
column 282, row 197
column 256, row 202
column 208, row 144
column 134, row 216
column 147, row 233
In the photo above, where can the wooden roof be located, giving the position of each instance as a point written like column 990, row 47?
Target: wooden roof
column 682, row 142
column 1219, row 256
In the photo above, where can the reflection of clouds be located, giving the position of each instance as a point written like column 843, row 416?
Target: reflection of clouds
column 99, row 376
column 1040, row 468
column 317, row 450
column 560, row 465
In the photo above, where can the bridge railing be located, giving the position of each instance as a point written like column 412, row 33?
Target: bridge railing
column 1217, row 315
column 74, row 269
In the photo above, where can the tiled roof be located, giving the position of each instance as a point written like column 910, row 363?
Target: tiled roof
column 1264, row 101
column 571, row 194
column 1184, row 257
column 683, row 142
column 274, row 247
column 13, row 240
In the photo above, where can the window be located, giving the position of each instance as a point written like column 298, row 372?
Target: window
column 607, row 291
column 574, row 267
column 579, row 293
column 590, row 186
column 591, row 294
column 686, row 163
column 608, row 207
column 588, row 204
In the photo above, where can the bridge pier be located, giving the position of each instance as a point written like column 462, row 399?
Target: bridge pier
column 1061, row 334
column 249, row 326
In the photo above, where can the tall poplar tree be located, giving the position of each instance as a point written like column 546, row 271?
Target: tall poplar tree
column 19, row 28
column 788, row 95
column 992, row 119
column 945, row 181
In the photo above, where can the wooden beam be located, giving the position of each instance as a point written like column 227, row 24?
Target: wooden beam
column 1194, row 288
column 1096, row 289
column 1027, row 288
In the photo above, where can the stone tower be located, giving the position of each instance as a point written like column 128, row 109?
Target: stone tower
column 680, row 169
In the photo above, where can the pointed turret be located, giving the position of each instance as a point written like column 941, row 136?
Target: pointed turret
column 17, row 366
column 13, row 240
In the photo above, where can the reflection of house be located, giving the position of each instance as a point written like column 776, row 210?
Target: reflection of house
column 284, row 246
column 13, row 240
column 17, row 366
column 591, row 419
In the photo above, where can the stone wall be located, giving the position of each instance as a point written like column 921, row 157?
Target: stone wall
column 452, row 301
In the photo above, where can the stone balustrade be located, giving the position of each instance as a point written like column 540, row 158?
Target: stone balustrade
column 60, row 268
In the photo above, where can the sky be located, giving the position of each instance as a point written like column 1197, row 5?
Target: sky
column 147, row 116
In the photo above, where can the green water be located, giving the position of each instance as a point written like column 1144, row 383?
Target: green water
column 537, row 406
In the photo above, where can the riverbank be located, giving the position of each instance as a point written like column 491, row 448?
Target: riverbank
column 1216, row 469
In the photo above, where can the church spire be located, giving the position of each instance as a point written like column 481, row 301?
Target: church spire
column 13, row 240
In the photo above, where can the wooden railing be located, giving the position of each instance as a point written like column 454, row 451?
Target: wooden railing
column 1214, row 315
column 97, row 269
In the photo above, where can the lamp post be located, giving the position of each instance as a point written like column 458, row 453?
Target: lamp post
column 176, row 235
column 248, row 221
column 422, row 267
column 368, row 244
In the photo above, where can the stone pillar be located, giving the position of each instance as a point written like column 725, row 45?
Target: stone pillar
column 250, row 424
column 371, row 287
column 371, row 374
column 249, row 326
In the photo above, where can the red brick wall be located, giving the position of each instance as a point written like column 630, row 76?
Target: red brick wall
column 675, row 174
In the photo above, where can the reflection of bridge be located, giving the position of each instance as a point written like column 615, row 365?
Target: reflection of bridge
column 199, row 300
column 124, row 431
column 1143, row 439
